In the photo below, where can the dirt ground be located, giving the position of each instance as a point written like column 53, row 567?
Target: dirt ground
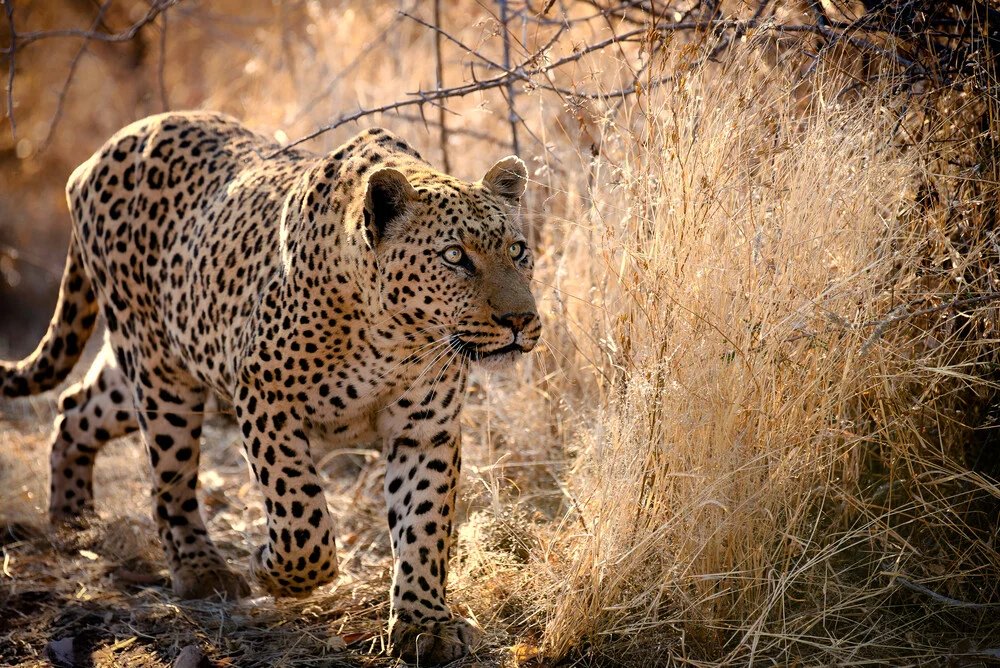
column 98, row 595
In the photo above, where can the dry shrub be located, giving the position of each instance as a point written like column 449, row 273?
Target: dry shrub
column 730, row 297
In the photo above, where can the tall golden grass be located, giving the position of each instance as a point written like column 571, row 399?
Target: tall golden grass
column 766, row 451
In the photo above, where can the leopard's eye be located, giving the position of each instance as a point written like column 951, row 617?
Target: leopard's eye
column 453, row 255
column 516, row 250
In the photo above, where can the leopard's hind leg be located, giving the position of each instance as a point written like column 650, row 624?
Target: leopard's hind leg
column 171, row 410
column 91, row 413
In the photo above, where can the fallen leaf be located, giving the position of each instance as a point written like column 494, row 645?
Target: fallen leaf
column 523, row 652
column 61, row 652
column 351, row 638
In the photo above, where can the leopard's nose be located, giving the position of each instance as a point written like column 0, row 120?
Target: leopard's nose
column 517, row 322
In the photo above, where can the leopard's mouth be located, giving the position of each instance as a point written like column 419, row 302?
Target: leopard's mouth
column 477, row 353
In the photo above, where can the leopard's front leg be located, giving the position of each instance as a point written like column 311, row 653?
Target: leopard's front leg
column 300, row 553
column 423, row 461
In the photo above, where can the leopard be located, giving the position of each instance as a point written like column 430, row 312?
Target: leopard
column 356, row 290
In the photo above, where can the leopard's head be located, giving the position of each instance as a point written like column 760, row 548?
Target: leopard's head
column 454, row 262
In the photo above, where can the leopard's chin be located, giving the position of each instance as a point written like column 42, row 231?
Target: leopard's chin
column 497, row 361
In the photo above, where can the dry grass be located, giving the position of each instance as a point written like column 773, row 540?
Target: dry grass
column 726, row 452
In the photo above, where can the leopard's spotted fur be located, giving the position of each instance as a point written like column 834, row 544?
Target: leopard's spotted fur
column 352, row 289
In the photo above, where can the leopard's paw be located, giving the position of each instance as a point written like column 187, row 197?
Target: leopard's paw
column 433, row 643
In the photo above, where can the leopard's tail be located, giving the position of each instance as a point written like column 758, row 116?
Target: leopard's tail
column 61, row 347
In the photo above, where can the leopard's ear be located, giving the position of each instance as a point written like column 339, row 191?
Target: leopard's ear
column 387, row 201
column 507, row 179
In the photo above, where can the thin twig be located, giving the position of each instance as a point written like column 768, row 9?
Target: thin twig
column 441, row 33
column 511, row 113
column 528, row 70
column 455, row 91
column 126, row 35
column 519, row 119
column 940, row 598
column 161, row 66
column 990, row 296
column 897, row 314
column 619, row 11
column 286, row 45
column 481, row 135
column 9, row 8
column 18, row 42
column 439, row 72
column 443, row 94
column 514, row 117
column 64, row 91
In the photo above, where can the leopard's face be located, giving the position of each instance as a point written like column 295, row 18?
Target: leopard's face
column 486, row 266
column 457, row 271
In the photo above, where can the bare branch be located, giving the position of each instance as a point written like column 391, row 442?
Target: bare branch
column 9, row 8
column 439, row 72
column 481, row 135
column 161, row 66
column 898, row 314
column 464, row 89
column 155, row 9
column 64, row 91
column 19, row 41
column 468, row 49
column 533, row 70
column 511, row 93
column 940, row 598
